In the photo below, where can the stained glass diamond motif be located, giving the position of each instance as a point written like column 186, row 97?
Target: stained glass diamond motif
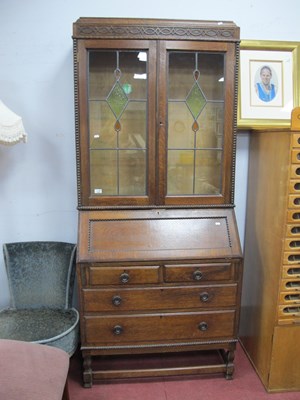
column 117, row 100
column 195, row 101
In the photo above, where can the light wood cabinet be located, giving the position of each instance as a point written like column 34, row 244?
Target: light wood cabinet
column 159, row 259
column 270, row 317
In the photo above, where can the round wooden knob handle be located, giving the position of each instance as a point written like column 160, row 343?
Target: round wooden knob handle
column 118, row 330
column 197, row 275
column 117, row 300
column 204, row 297
column 124, row 277
column 203, row 326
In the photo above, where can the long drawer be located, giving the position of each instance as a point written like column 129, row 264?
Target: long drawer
column 160, row 298
column 149, row 328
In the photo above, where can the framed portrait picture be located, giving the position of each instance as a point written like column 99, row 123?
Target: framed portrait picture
column 268, row 84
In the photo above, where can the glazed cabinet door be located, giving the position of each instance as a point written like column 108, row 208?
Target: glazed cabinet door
column 156, row 122
column 196, row 91
column 117, row 84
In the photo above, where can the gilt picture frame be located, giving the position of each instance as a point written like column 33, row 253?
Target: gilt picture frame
column 269, row 80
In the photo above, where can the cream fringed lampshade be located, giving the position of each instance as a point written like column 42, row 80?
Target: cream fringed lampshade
column 11, row 127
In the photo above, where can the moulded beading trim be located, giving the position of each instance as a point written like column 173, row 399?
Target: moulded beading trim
column 76, row 110
column 150, row 207
column 92, row 221
column 184, row 344
column 234, row 144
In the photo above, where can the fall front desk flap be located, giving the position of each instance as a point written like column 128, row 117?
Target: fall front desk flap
column 159, row 234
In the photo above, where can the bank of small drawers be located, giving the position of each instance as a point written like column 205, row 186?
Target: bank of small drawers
column 289, row 296
column 126, row 304
column 97, row 274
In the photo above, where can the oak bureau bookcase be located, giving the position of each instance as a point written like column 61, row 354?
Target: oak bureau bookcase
column 159, row 261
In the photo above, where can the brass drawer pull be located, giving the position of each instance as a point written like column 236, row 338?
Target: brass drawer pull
column 197, row 275
column 203, row 326
column 204, row 297
column 118, row 330
column 124, row 277
column 117, row 300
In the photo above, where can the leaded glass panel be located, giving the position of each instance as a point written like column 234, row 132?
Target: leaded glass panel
column 104, row 165
column 101, row 125
column 195, row 123
column 118, row 121
column 180, row 172
column 132, row 172
column 179, row 133
column 208, row 172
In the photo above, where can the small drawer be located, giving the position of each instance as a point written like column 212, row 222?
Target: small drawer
column 296, row 140
column 163, row 327
column 289, row 311
column 295, row 171
column 293, row 230
column 291, row 272
column 294, row 201
column 293, row 216
column 292, row 285
column 294, row 186
column 167, row 298
column 198, row 272
column 116, row 275
column 296, row 155
column 292, row 245
column 291, row 257
column 290, row 298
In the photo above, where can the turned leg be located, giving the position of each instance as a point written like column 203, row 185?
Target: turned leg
column 87, row 371
column 229, row 358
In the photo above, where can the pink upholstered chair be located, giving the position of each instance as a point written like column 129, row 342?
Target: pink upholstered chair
column 31, row 371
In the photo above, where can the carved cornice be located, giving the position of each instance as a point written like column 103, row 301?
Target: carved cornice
column 113, row 29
